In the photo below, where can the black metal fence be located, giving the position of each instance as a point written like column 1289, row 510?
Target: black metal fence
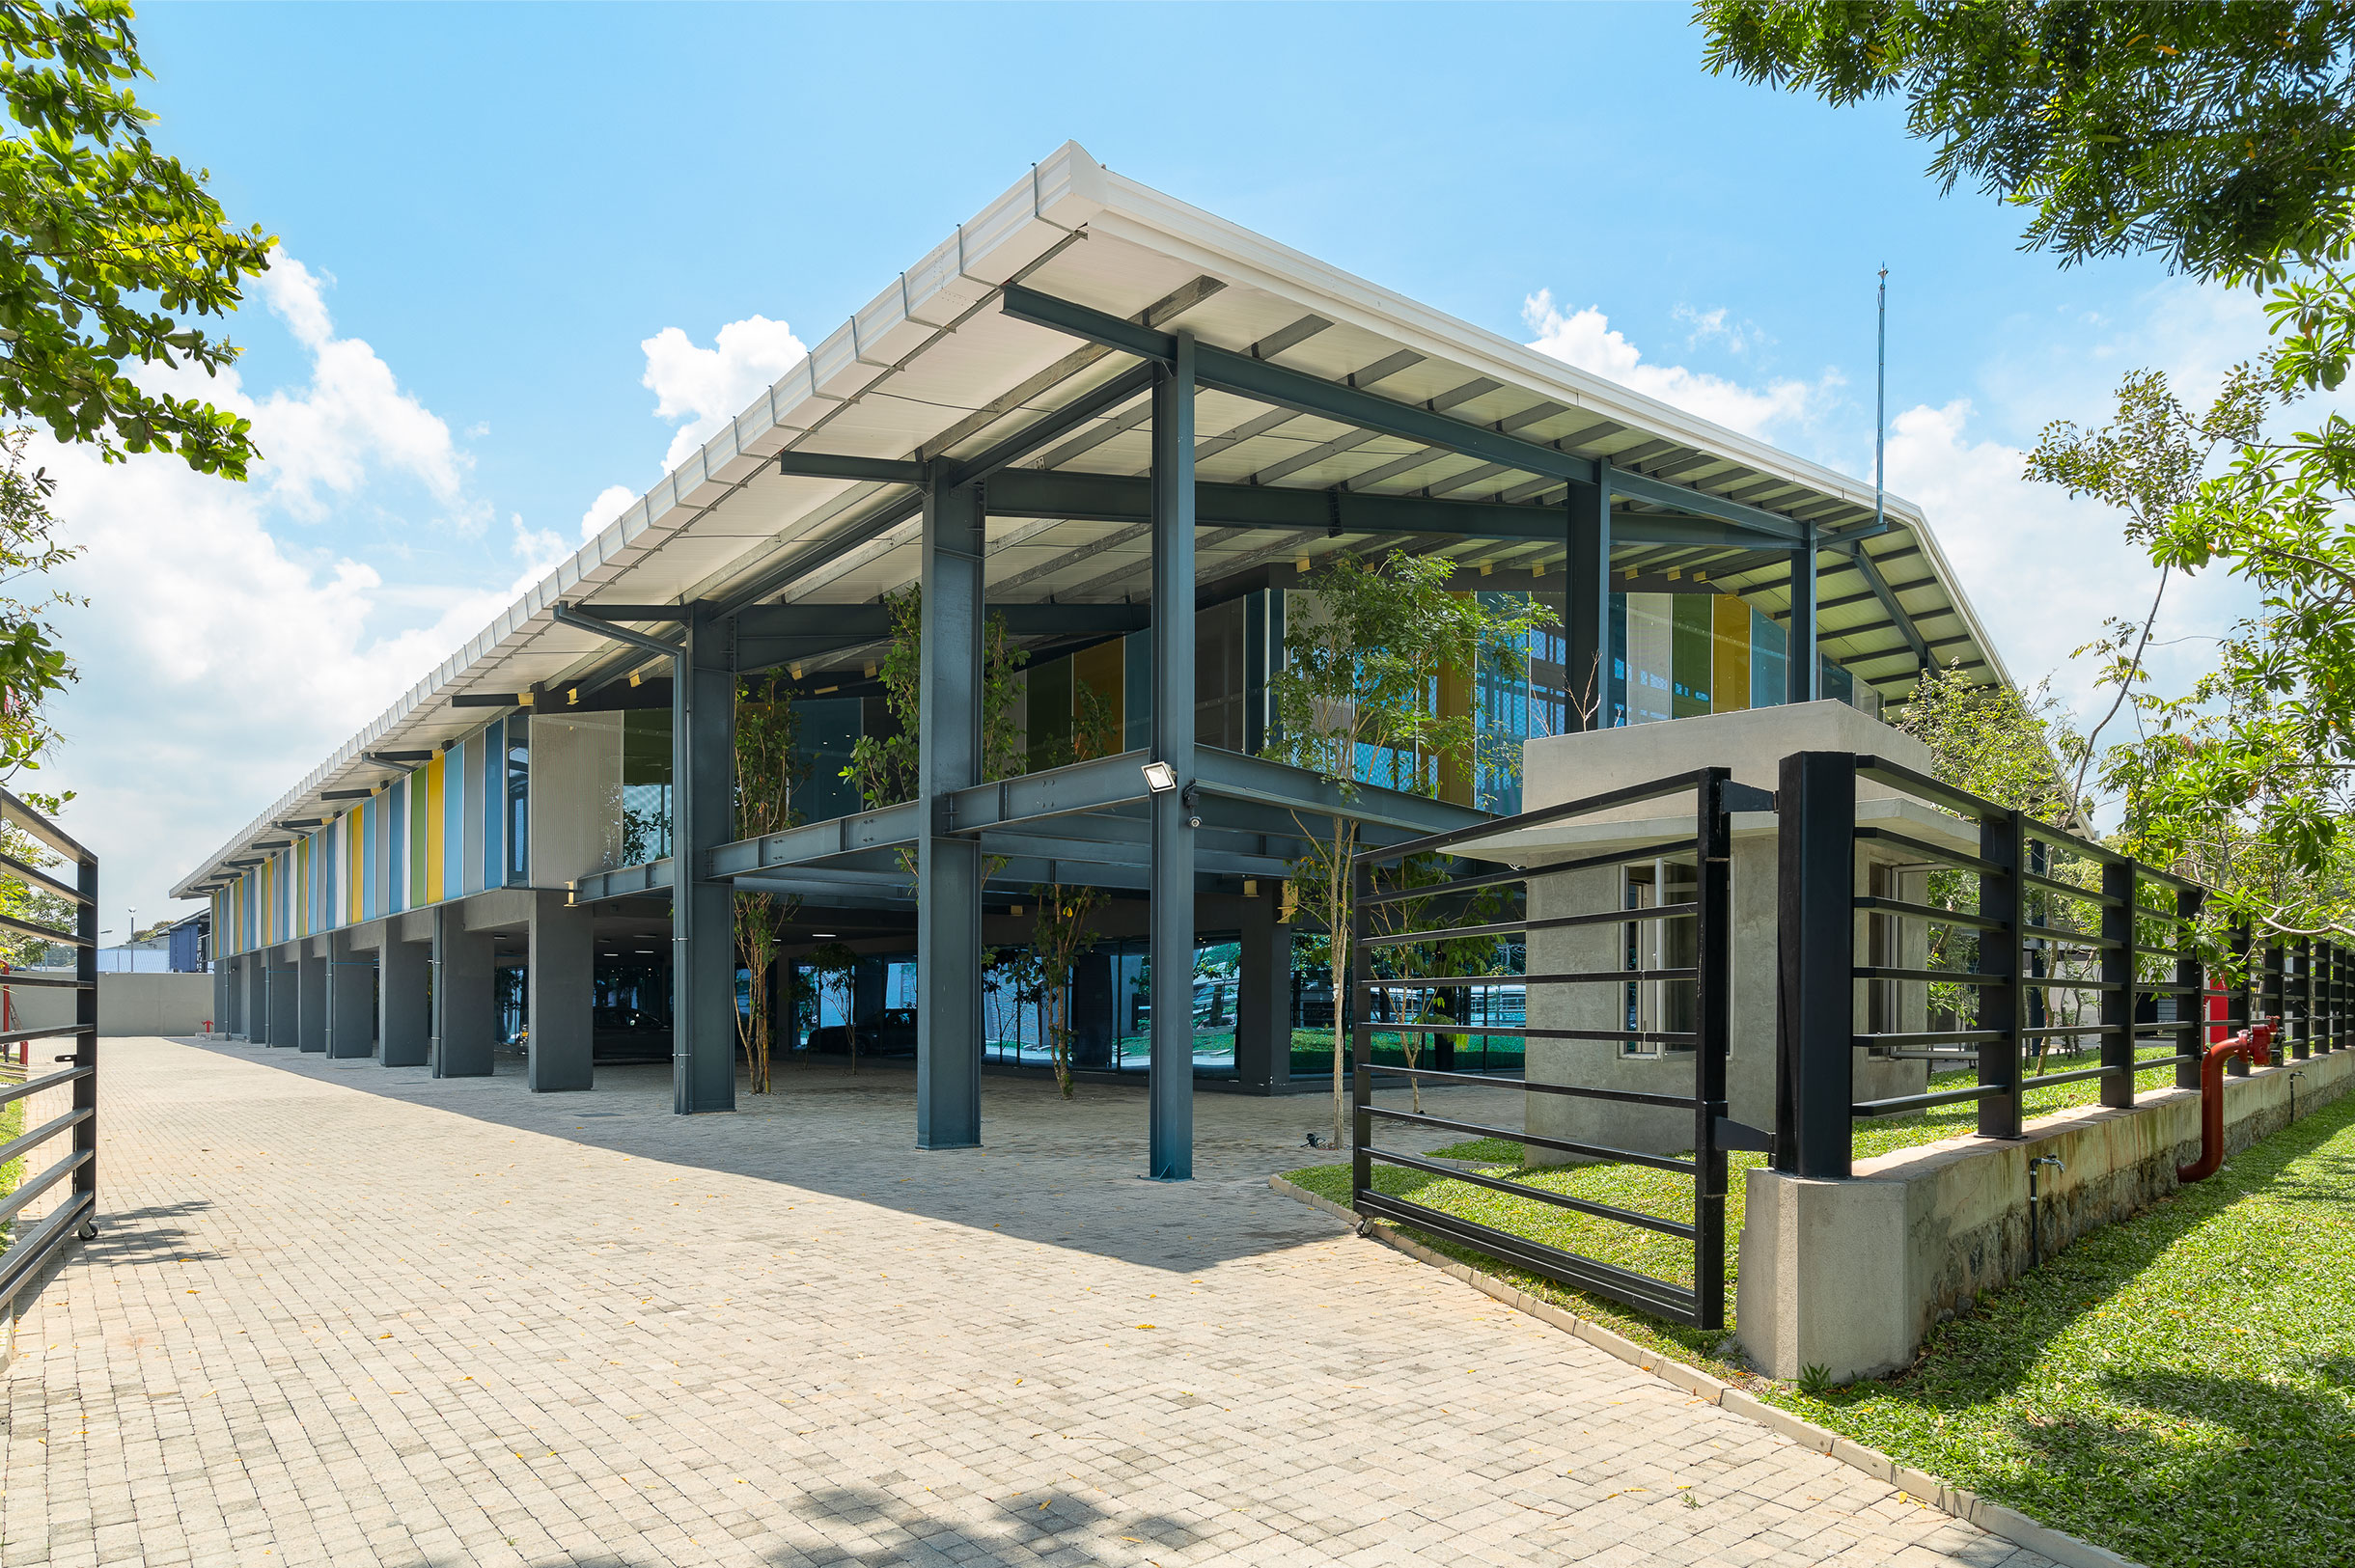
column 35, row 1241
column 1431, row 906
column 2036, row 936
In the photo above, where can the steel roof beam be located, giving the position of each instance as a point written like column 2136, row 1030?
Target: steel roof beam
column 1277, row 384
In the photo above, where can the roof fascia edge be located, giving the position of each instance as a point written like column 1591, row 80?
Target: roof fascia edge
column 1147, row 217
column 1064, row 191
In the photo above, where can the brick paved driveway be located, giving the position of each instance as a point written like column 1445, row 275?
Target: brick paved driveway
column 346, row 1314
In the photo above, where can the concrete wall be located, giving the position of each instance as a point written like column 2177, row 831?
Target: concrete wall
column 1752, row 745
column 128, row 1003
column 1850, row 1275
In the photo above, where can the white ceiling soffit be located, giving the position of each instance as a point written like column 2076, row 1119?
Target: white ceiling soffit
column 930, row 366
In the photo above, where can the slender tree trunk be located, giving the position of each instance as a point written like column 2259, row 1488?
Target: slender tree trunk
column 1337, row 890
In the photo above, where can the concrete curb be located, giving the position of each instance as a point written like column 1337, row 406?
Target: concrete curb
column 1993, row 1518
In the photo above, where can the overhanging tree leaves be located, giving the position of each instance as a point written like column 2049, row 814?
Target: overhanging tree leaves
column 109, row 250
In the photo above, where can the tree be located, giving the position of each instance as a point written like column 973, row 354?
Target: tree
column 1357, row 704
column 33, row 665
column 1061, row 930
column 2214, row 136
column 2222, row 140
column 836, row 964
column 768, row 765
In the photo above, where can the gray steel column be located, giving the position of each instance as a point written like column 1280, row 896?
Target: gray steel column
column 561, row 1005
column 949, row 869
column 465, row 999
column 1800, row 684
column 1587, row 616
column 351, row 1011
column 1263, row 1000
column 220, row 998
column 286, row 994
column 257, row 1014
column 702, row 919
column 401, row 985
column 1169, row 1154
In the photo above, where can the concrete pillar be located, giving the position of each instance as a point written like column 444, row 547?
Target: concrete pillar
column 256, row 1013
column 286, row 1015
column 403, row 987
column 948, row 866
column 311, row 973
column 702, row 916
column 562, row 995
column 1263, row 1000
column 1170, row 1151
column 352, row 999
column 465, row 998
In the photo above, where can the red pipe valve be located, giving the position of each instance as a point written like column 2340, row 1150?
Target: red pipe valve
column 2255, row 1044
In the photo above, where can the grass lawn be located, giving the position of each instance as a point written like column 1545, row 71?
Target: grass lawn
column 2180, row 1388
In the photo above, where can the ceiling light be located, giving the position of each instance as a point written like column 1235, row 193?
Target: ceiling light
column 641, row 950
column 1487, row 568
column 1537, row 570
column 1161, row 778
column 822, row 933
column 793, row 669
column 1251, row 888
column 1301, row 565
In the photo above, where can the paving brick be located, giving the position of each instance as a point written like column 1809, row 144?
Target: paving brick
column 350, row 1314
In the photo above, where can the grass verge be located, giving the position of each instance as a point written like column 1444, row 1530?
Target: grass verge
column 2179, row 1387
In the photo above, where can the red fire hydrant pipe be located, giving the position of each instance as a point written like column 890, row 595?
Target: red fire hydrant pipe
column 2253, row 1043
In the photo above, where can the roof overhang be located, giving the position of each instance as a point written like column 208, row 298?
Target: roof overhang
column 1018, row 349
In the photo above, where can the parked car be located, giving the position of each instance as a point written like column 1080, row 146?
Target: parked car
column 628, row 1035
column 892, row 1032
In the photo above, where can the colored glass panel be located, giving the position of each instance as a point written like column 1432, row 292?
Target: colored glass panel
column 1651, row 654
column 1729, row 655
column 435, row 837
column 1689, row 633
column 1769, row 656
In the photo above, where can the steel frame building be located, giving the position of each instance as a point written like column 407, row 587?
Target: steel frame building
column 1091, row 409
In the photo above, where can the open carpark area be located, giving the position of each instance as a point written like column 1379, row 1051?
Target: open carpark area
column 339, row 1313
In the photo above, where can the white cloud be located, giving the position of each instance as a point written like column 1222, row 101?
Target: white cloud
column 234, row 635
column 605, row 509
column 352, row 421
column 707, row 387
column 1586, row 340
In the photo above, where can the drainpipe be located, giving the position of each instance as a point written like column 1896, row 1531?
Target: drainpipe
column 2253, row 1043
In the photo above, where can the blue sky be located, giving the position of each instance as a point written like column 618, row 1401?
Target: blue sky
column 529, row 246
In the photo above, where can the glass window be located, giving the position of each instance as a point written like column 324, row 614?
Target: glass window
column 1651, row 658
column 829, row 728
column 490, row 760
column 519, row 800
column 1769, row 655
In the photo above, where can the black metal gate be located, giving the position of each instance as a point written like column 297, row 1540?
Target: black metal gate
column 77, row 1117
column 1427, row 879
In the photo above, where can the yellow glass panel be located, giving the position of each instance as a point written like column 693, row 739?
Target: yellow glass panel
column 433, row 830
column 1729, row 655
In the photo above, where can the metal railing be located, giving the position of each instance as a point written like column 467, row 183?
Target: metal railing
column 38, row 1240
column 2025, row 923
column 1707, row 846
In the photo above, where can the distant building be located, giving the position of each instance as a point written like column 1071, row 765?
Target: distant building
column 190, row 943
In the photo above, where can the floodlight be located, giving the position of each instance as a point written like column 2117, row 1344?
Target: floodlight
column 1161, row 778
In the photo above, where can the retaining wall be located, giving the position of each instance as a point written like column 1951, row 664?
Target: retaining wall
column 1850, row 1275
column 129, row 1002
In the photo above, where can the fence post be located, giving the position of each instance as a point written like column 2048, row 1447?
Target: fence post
column 1359, row 1002
column 2332, row 960
column 2003, row 843
column 2119, row 882
column 2237, row 1006
column 86, row 1035
column 2306, row 997
column 1713, row 865
column 1814, row 1088
column 2192, row 973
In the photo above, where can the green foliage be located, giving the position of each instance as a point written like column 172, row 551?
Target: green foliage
column 768, row 765
column 1357, row 701
column 1989, row 739
column 832, row 967
column 886, row 768
column 2215, row 136
column 110, row 247
column 1061, row 931
column 33, row 667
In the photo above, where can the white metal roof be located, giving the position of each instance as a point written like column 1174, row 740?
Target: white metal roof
column 930, row 368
